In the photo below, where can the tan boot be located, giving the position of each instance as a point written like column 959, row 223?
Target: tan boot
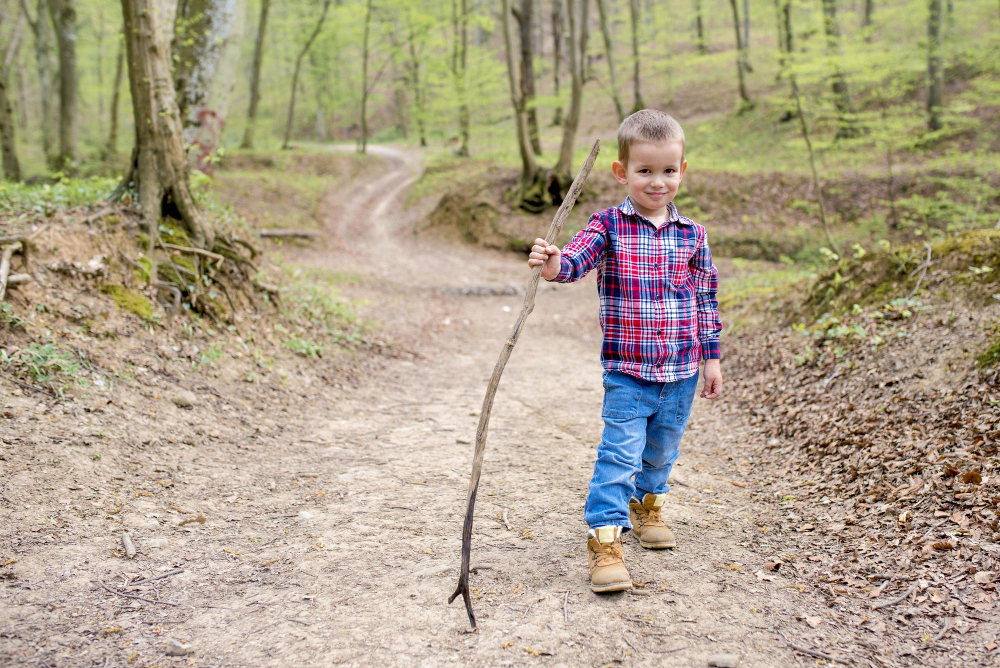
column 647, row 524
column 607, row 560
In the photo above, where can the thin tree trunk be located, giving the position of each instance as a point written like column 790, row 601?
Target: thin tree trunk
column 745, row 102
column 634, row 12
column 159, row 171
column 866, row 23
column 11, row 166
column 41, row 28
column 578, row 26
column 298, row 67
column 846, row 126
column 610, row 51
column 934, row 83
column 463, row 80
column 746, row 26
column 812, row 163
column 100, row 71
column 557, row 40
column 112, row 147
column 525, row 23
column 258, row 59
column 418, row 97
column 363, row 147
column 529, row 168
column 699, row 25
column 783, row 12
column 63, row 14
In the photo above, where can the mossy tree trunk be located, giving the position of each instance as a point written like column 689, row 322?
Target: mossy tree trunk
column 11, row 166
column 530, row 172
column 741, row 61
column 557, row 40
column 562, row 178
column 159, row 169
column 934, row 83
column 41, row 27
column 258, row 59
column 112, row 146
column 525, row 16
column 699, row 25
column 63, row 14
column 416, row 89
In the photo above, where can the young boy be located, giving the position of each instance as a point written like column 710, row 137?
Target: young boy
column 659, row 314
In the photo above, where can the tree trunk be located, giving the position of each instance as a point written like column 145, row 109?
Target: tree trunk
column 41, row 28
column 525, row 25
column 846, row 126
column 934, row 77
column 812, row 163
column 578, row 25
column 634, row 12
column 159, row 168
column 866, row 24
column 699, row 25
column 610, row 51
column 529, row 168
column 258, row 59
column 557, row 40
column 203, row 34
column 11, row 166
column 414, row 78
column 298, row 67
column 746, row 27
column 112, row 147
column 363, row 146
column 745, row 102
column 463, row 80
column 63, row 14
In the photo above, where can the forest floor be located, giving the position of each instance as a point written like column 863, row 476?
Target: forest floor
column 321, row 524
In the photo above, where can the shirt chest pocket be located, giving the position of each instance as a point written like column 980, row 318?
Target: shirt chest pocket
column 680, row 251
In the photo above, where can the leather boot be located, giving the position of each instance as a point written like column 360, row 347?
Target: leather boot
column 607, row 560
column 647, row 524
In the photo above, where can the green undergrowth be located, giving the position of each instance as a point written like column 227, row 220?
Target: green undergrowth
column 969, row 262
column 20, row 199
column 130, row 300
column 316, row 316
column 990, row 357
column 43, row 364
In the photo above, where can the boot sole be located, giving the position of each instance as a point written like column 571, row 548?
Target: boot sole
column 614, row 586
column 657, row 546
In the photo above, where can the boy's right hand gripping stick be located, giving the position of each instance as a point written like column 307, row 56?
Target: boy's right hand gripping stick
column 491, row 389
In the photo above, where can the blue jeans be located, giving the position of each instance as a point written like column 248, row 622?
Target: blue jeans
column 643, row 425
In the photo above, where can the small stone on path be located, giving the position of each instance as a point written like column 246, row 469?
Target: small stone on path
column 184, row 398
column 724, row 660
column 175, row 648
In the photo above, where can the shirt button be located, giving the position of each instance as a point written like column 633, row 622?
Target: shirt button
column 659, row 332
column 656, row 265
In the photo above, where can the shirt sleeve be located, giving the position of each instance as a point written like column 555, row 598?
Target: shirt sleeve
column 583, row 251
column 706, row 284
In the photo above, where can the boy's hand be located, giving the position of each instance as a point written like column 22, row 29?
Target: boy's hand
column 548, row 255
column 713, row 379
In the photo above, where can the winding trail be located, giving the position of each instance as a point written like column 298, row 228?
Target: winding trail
column 317, row 519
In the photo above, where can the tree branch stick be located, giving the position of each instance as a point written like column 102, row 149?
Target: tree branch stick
column 491, row 389
column 139, row 598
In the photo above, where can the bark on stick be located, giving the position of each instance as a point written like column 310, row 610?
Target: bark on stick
column 491, row 389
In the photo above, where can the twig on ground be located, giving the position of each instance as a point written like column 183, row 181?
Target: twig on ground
column 33, row 388
column 301, row 234
column 176, row 571
column 196, row 251
column 565, row 603
column 902, row 597
column 127, row 544
column 923, row 270
column 139, row 598
column 940, row 634
column 815, row 653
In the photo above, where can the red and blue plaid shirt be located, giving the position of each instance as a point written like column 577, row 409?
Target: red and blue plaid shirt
column 657, row 286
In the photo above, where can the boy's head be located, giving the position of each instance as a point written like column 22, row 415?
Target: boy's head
column 650, row 159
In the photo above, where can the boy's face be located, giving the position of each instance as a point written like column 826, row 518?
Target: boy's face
column 653, row 174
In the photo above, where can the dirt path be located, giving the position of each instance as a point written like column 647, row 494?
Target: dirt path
column 331, row 516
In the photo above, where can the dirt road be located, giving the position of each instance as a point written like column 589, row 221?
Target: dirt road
column 327, row 518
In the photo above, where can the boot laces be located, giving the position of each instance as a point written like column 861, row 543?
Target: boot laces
column 606, row 555
column 651, row 516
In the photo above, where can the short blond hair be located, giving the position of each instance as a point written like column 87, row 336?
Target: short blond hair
column 648, row 125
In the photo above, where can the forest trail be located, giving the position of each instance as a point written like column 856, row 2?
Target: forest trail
column 323, row 526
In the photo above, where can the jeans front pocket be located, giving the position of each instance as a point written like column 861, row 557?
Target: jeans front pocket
column 685, row 398
column 621, row 396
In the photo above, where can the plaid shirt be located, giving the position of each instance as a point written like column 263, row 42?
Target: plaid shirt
column 657, row 286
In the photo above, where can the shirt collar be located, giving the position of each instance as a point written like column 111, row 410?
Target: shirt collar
column 628, row 209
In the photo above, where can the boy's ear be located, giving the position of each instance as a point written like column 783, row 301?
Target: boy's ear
column 618, row 169
column 684, row 166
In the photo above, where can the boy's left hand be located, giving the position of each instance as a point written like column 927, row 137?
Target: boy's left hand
column 713, row 379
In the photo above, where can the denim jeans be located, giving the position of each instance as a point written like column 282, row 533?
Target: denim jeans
column 643, row 425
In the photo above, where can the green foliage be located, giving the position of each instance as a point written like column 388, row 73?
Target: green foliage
column 42, row 363
column 990, row 357
column 46, row 199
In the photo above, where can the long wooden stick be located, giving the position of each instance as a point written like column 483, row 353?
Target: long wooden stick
column 491, row 389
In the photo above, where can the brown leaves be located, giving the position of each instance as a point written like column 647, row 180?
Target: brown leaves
column 972, row 478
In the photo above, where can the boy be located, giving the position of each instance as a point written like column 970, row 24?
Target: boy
column 659, row 314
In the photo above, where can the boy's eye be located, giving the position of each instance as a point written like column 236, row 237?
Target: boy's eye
column 644, row 171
